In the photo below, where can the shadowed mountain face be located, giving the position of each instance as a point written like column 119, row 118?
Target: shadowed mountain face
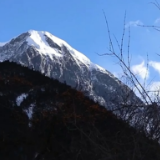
column 43, row 119
column 54, row 58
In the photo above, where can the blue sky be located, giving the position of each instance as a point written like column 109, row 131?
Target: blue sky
column 81, row 23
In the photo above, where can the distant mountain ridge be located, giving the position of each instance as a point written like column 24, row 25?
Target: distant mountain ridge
column 56, row 59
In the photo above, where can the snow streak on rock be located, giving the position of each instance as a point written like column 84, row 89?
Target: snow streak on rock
column 20, row 98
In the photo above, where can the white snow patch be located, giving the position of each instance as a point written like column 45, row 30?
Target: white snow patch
column 29, row 112
column 37, row 39
column 97, row 67
column 2, row 43
column 20, row 98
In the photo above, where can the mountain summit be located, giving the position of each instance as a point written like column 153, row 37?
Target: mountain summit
column 56, row 59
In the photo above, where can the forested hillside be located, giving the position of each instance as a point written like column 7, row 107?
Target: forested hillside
column 43, row 119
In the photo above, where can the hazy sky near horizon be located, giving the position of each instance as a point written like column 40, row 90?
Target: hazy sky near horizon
column 81, row 23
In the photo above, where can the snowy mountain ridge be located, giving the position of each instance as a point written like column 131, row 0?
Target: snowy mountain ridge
column 38, row 40
column 56, row 59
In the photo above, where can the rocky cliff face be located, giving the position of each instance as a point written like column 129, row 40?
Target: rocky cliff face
column 54, row 58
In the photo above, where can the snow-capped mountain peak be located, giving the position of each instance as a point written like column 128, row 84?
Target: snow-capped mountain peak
column 38, row 40
column 56, row 59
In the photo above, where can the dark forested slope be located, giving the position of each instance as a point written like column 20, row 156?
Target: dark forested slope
column 54, row 122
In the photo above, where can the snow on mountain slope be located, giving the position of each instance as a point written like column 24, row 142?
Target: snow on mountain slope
column 56, row 59
column 2, row 43
column 38, row 40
